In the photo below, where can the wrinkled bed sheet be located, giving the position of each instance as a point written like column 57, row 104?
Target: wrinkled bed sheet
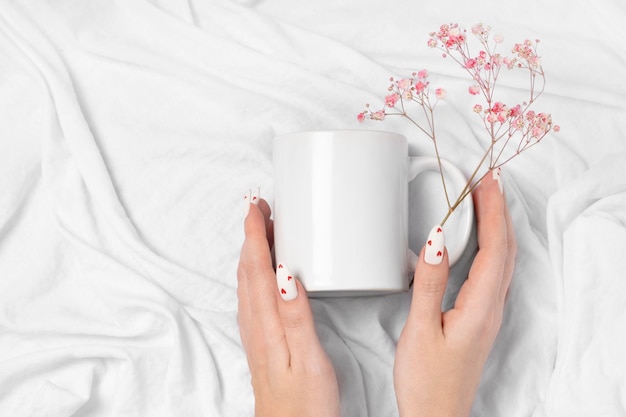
column 130, row 130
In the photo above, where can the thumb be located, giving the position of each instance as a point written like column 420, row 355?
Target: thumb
column 429, row 282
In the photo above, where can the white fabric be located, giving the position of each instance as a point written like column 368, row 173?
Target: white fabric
column 130, row 130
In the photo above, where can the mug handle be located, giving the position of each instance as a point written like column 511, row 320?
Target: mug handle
column 457, row 181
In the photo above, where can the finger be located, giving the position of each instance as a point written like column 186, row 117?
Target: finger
column 269, row 224
column 484, row 282
column 297, row 319
column 243, row 306
column 429, row 284
column 263, row 328
column 489, row 203
column 510, row 259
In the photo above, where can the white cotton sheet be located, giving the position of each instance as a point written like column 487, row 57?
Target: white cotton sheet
column 587, row 224
column 130, row 130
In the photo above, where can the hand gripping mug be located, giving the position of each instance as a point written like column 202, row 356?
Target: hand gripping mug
column 341, row 210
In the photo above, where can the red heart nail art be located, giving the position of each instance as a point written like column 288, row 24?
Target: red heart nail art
column 282, row 291
column 289, row 278
column 439, row 253
column 280, row 266
column 439, row 230
column 253, row 198
column 430, row 243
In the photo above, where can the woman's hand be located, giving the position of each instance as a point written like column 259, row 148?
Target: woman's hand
column 291, row 374
column 440, row 356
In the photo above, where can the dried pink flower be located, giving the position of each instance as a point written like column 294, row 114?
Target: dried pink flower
column 392, row 99
column 420, row 86
column 511, row 129
column 477, row 29
column 474, row 90
column 378, row 115
column 404, row 84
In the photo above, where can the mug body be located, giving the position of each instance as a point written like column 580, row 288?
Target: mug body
column 341, row 211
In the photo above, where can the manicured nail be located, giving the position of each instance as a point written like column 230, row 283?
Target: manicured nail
column 250, row 197
column 246, row 204
column 434, row 246
column 496, row 175
column 286, row 283
column 255, row 195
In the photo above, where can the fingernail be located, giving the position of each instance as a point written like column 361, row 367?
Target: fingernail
column 434, row 246
column 255, row 195
column 246, row 204
column 251, row 197
column 286, row 283
column 496, row 175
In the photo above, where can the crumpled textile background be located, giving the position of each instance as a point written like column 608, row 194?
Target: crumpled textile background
column 130, row 130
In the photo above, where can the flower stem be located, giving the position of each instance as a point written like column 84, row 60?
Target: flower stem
column 450, row 211
column 469, row 187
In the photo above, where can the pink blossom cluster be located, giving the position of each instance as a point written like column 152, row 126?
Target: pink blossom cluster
column 536, row 125
column 532, row 125
column 484, row 69
column 415, row 88
column 452, row 36
column 517, row 125
column 527, row 52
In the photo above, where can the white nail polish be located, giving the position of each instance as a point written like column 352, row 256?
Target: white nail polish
column 255, row 196
column 286, row 283
column 496, row 175
column 434, row 246
column 246, row 204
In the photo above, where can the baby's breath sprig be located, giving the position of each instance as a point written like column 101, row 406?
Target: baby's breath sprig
column 511, row 129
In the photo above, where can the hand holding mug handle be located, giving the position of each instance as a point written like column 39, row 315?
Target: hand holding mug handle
column 440, row 355
column 455, row 180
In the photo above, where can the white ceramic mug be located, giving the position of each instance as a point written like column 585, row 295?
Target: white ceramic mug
column 341, row 210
